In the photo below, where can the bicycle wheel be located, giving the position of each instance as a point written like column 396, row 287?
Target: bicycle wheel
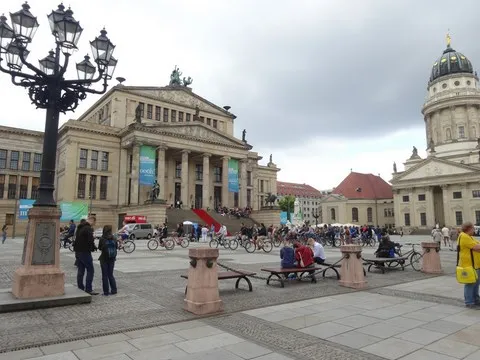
column 267, row 246
column 213, row 243
column 233, row 244
column 225, row 243
column 152, row 244
column 184, row 242
column 70, row 246
column 277, row 242
column 337, row 242
column 415, row 261
column 169, row 244
column 250, row 246
column 129, row 246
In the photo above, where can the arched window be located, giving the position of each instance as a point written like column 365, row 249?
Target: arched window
column 354, row 214
column 332, row 214
column 448, row 134
column 369, row 215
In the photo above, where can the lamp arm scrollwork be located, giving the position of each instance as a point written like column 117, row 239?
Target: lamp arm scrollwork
column 65, row 65
column 82, row 82
column 16, row 73
column 28, row 65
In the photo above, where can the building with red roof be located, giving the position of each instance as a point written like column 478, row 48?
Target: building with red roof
column 308, row 197
column 360, row 199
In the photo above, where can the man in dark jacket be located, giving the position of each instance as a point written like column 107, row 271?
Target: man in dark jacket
column 84, row 245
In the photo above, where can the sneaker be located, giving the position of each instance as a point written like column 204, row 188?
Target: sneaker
column 473, row 306
column 105, row 294
column 113, row 293
column 92, row 292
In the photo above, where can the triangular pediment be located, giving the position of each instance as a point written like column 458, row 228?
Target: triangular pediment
column 196, row 132
column 180, row 96
column 332, row 198
column 433, row 168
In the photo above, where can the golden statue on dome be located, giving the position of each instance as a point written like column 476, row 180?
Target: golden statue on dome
column 448, row 38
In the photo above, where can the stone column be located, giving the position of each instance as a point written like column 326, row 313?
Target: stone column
column 452, row 123
column 5, row 186
column 225, row 193
column 430, row 207
column 185, row 195
column 446, row 207
column 206, row 181
column 467, row 124
column 134, row 192
column 351, row 272
column 161, row 171
column 243, row 184
column 29, row 187
column 413, row 211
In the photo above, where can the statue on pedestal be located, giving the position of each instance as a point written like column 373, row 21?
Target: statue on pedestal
column 244, row 133
column 271, row 162
column 138, row 114
column 395, row 167
column 155, row 191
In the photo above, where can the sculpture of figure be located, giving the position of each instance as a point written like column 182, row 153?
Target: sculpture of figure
column 270, row 199
column 196, row 116
column 187, row 81
column 138, row 114
column 271, row 158
column 395, row 167
column 414, row 151
column 175, row 76
column 244, row 133
column 155, row 190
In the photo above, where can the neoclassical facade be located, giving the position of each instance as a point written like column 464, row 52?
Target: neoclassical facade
column 191, row 141
column 444, row 188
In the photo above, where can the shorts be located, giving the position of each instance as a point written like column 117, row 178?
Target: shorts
column 124, row 236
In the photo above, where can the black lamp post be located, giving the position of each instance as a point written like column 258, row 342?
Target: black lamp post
column 316, row 215
column 47, row 87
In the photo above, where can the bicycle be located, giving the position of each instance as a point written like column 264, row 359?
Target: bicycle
column 231, row 243
column 182, row 241
column 167, row 243
column 128, row 246
column 414, row 257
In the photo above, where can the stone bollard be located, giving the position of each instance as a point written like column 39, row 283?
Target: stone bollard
column 431, row 258
column 202, row 295
column 351, row 272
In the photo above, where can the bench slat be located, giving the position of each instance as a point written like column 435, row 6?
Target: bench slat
column 290, row 270
column 385, row 259
column 224, row 275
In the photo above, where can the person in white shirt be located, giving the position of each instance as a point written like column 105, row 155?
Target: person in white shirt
column 222, row 231
column 318, row 251
column 446, row 236
column 204, row 233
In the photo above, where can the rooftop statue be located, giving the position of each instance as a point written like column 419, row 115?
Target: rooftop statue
column 175, row 78
column 414, row 151
column 395, row 167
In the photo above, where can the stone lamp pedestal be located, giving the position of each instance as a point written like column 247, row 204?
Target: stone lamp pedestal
column 40, row 274
column 351, row 272
column 202, row 296
column 431, row 258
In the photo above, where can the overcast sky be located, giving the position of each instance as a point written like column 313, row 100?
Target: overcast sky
column 325, row 86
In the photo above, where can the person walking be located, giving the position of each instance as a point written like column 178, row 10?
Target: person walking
column 108, row 246
column 446, row 236
column 4, row 233
column 469, row 255
column 204, row 233
column 84, row 246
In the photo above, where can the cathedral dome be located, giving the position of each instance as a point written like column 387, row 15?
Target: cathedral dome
column 451, row 62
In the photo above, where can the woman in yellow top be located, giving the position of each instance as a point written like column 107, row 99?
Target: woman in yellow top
column 468, row 245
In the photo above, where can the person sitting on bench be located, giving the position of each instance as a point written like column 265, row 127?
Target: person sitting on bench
column 303, row 256
column 318, row 251
column 386, row 248
column 287, row 255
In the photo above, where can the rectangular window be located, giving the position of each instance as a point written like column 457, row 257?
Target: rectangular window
column 14, row 157
column 83, row 159
column 93, row 187
column 35, row 186
column 142, row 109
column 9, row 218
column 198, row 172
column 37, row 162
column 178, row 169
column 174, row 116
column 165, row 115
column 82, row 180
column 477, row 217
column 180, row 116
column 3, row 159
column 249, row 178
column 476, row 193
column 421, row 197
column 26, row 161
column 2, row 185
column 423, row 219
column 104, row 161
column 461, row 133
column 187, row 117
column 23, row 187
column 405, row 198
column 457, row 195
column 103, row 187
column 94, row 160
column 12, row 187
column 209, row 121
column 407, row 219
column 149, row 111
column 458, row 218
column 202, row 119
column 217, row 174
column 215, row 123
column 158, row 113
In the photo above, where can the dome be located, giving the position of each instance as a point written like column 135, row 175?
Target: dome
column 451, row 62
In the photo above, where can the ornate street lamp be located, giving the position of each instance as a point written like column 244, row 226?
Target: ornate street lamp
column 316, row 215
column 46, row 85
column 48, row 89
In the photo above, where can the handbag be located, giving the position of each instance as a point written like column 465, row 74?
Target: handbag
column 468, row 274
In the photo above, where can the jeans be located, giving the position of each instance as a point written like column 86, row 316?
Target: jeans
column 319, row 260
column 85, row 262
column 470, row 291
column 108, row 278
column 4, row 237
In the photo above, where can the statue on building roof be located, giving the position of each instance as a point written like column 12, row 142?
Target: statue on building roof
column 138, row 114
column 394, row 167
column 175, row 78
column 187, row 81
column 414, row 151
column 244, row 133
column 271, row 159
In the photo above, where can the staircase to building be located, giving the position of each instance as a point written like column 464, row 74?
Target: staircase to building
column 232, row 223
column 176, row 216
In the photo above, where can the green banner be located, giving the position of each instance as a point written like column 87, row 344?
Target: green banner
column 73, row 210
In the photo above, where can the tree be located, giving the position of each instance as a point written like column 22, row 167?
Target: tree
column 287, row 203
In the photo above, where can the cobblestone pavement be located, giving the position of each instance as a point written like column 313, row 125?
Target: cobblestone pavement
column 151, row 294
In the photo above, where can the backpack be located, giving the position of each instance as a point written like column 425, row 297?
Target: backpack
column 111, row 246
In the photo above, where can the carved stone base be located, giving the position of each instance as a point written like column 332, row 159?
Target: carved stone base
column 40, row 274
column 156, row 201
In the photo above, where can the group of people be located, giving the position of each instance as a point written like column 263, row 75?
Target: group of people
column 235, row 212
column 448, row 236
column 296, row 255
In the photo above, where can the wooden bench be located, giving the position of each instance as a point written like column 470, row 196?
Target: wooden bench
column 379, row 263
column 226, row 275
column 333, row 267
column 281, row 273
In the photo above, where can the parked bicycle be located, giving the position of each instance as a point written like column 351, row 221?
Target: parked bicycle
column 414, row 257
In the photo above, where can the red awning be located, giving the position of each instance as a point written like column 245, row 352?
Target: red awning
column 138, row 219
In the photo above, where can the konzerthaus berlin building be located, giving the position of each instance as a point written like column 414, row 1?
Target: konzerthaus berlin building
column 133, row 135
